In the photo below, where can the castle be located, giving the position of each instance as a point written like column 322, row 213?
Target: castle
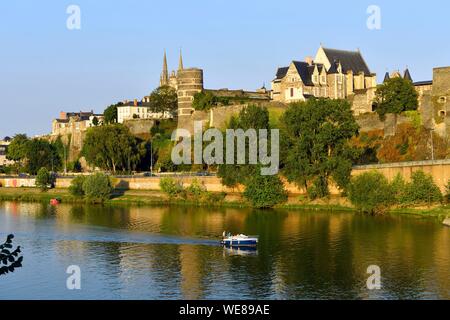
column 336, row 74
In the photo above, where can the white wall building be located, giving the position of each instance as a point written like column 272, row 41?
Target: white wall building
column 138, row 110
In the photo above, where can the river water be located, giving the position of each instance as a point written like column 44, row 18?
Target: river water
column 173, row 253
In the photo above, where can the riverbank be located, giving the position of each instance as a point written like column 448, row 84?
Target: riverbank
column 149, row 197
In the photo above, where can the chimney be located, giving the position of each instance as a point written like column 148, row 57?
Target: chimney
column 135, row 102
column 62, row 115
column 309, row 60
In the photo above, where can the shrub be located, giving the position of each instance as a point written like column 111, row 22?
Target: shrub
column 97, row 187
column 371, row 192
column 398, row 187
column 44, row 179
column 265, row 191
column 196, row 191
column 76, row 186
column 421, row 189
column 171, row 187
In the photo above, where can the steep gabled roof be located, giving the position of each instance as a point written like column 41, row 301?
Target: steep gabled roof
column 305, row 71
column 350, row 60
column 407, row 75
column 386, row 77
column 281, row 72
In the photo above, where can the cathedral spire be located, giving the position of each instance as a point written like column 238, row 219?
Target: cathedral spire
column 165, row 72
column 180, row 62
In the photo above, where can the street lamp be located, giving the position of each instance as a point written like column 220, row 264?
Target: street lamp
column 432, row 146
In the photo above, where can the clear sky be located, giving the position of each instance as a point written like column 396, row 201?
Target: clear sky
column 117, row 54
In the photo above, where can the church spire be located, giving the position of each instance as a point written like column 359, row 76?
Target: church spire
column 180, row 62
column 165, row 72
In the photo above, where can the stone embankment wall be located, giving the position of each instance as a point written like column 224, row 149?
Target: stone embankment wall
column 439, row 169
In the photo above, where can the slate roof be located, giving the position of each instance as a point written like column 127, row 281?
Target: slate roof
column 305, row 71
column 281, row 73
column 350, row 60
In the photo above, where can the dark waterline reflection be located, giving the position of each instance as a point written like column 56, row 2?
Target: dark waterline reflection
column 173, row 253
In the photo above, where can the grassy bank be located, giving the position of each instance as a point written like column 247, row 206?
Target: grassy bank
column 147, row 197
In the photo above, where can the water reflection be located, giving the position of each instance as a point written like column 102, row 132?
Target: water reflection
column 174, row 252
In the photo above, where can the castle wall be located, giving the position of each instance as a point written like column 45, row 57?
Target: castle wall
column 140, row 127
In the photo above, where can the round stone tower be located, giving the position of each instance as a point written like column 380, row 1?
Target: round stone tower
column 190, row 82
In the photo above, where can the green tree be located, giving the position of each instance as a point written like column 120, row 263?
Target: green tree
column 371, row 192
column 41, row 153
column 315, row 144
column 97, row 187
column 44, row 179
column 265, row 191
column 17, row 149
column 95, row 121
column 164, row 99
column 395, row 96
column 113, row 148
column 271, row 191
column 76, row 186
column 110, row 113
column 421, row 190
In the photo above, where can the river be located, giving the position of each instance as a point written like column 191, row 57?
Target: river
column 174, row 253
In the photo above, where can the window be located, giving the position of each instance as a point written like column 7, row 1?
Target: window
column 442, row 113
column 292, row 92
column 442, row 99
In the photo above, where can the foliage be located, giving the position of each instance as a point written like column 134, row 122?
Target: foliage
column 17, row 148
column 196, row 190
column 45, row 179
column 76, row 186
column 110, row 113
column 371, row 192
column 74, row 166
column 9, row 259
column 395, row 96
column 97, row 187
column 205, row 100
column 113, row 148
column 415, row 117
column 411, row 144
column 265, row 191
column 164, row 99
column 315, row 144
column 40, row 153
column 398, row 185
column 421, row 190
column 171, row 187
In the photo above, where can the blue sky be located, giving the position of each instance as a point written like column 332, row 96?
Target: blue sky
column 46, row 68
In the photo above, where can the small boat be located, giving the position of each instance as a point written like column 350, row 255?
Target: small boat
column 54, row 202
column 240, row 240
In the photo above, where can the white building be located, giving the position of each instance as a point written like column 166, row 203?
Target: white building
column 138, row 110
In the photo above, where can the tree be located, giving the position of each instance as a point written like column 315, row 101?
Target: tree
column 395, row 96
column 41, row 153
column 262, row 191
column 97, row 187
column 76, row 186
column 265, row 191
column 44, row 179
column 315, row 144
column 110, row 113
column 164, row 99
column 9, row 259
column 113, row 148
column 16, row 150
column 95, row 121
column 371, row 192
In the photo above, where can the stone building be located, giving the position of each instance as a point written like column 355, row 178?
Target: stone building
column 336, row 74
column 71, row 122
column 3, row 149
